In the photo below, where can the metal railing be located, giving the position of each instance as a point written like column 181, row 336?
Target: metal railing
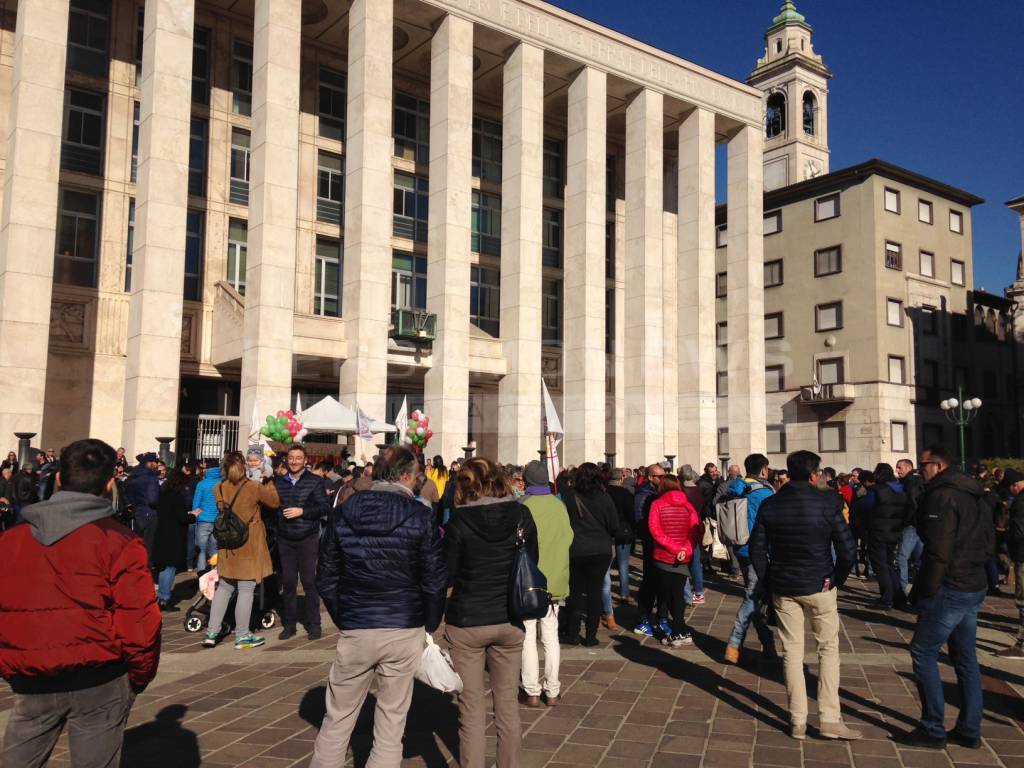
column 205, row 436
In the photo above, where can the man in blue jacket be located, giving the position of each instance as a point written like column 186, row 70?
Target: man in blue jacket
column 303, row 503
column 204, row 501
column 755, row 489
column 383, row 578
column 791, row 549
column 144, row 494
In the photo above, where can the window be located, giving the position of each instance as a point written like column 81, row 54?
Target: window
column 201, row 65
column 330, row 185
column 774, row 378
column 894, row 312
column 722, row 334
column 773, row 326
column 412, row 128
column 197, row 157
column 828, row 261
column 552, row 168
column 411, row 198
column 956, row 222
column 485, row 226
column 241, row 78
column 238, row 245
column 131, row 245
column 723, row 441
column 892, row 200
column 609, row 321
column 897, row 370
column 140, row 38
column 193, row 288
column 551, row 312
column 957, row 272
column 82, row 146
column 924, row 211
column 327, row 280
column 484, row 299
column 332, row 104
column 898, row 436
column 776, row 438
column 610, row 188
column 552, row 234
column 958, row 327
column 826, row 207
column 134, row 173
column 609, row 250
column 721, row 284
column 810, row 108
column 929, row 320
column 831, row 370
column 722, row 384
column 721, row 236
column 240, row 158
column 77, row 239
column 88, row 27
column 927, row 264
column 775, row 116
column 408, row 281
column 893, row 255
column 772, row 223
column 487, row 150
column 832, row 437
column 828, row 317
column 773, row 273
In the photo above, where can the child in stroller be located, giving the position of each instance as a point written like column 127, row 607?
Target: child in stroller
column 267, row 600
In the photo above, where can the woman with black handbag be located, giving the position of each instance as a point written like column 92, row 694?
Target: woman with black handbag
column 481, row 546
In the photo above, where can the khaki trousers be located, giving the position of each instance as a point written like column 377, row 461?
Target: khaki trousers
column 500, row 648
column 823, row 612
column 389, row 656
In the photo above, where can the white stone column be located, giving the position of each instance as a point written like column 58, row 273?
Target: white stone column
column 369, row 186
column 670, row 339
column 644, row 258
column 698, row 433
column 619, row 404
column 745, row 302
column 270, row 265
column 29, row 217
column 584, row 363
column 153, row 362
column 519, row 391
column 446, row 384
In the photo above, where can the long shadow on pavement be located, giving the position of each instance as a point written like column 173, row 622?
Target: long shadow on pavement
column 162, row 742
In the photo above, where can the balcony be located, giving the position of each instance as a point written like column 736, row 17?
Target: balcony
column 828, row 394
column 413, row 325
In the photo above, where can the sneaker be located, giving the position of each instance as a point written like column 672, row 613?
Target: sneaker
column 838, row 731
column 681, row 641
column 798, row 731
column 732, row 654
column 664, row 627
column 1015, row 651
column 644, row 628
column 210, row 640
column 698, row 599
column 248, row 641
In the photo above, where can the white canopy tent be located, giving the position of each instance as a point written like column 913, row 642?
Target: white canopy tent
column 329, row 415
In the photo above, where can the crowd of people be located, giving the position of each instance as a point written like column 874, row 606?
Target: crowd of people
column 399, row 547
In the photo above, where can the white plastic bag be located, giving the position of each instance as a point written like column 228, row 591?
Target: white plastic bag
column 718, row 549
column 436, row 669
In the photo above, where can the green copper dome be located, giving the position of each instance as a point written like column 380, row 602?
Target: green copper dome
column 788, row 14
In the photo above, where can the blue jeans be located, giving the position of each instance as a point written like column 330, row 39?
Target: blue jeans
column 911, row 549
column 165, row 582
column 748, row 611
column 694, row 584
column 206, row 544
column 622, row 553
column 948, row 617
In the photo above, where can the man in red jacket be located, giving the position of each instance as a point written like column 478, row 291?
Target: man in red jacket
column 79, row 624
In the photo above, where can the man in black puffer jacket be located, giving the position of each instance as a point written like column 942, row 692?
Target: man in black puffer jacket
column 791, row 549
column 383, row 578
column 303, row 503
column 884, row 509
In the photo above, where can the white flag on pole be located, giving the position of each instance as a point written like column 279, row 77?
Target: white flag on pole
column 402, row 419
column 553, row 430
column 554, row 425
column 363, row 424
column 298, row 405
column 254, row 425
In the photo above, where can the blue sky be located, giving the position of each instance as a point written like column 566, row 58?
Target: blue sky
column 936, row 87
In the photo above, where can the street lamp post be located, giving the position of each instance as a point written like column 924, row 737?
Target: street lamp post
column 961, row 413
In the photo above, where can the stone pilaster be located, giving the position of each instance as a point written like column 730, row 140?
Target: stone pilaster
column 670, row 340
column 619, row 403
column 583, row 326
column 158, row 269
column 519, row 391
column 745, row 302
column 369, row 185
column 644, row 260
column 29, row 216
column 696, row 290
column 446, row 384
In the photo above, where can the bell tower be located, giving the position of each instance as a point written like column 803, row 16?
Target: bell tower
column 795, row 84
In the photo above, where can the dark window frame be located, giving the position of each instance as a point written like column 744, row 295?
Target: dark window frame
column 818, row 201
column 839, row 316
column 839, row 260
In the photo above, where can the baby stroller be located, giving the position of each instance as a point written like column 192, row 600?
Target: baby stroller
column 264, row 603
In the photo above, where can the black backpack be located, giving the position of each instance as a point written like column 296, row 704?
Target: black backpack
column 228, row 529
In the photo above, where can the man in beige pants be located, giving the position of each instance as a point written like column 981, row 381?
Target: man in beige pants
column 390, row 590
column 791, row 548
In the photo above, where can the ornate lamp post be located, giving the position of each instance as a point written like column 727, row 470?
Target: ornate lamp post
column 961, row 413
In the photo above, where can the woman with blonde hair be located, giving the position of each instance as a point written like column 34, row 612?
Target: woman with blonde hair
column 480, row 544
column 241, row 569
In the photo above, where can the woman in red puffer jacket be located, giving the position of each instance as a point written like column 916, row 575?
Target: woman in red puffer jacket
column 676, row 529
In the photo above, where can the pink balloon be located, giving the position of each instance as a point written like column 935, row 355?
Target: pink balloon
column 280, row 414
column 430, row 433
column 420, row 431
column 416, row 415
column 289, row 413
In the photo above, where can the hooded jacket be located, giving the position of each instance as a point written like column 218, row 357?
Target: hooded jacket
column 755, row 492
column 204, row 498
column 381, row 563
column 480, row 544
column 956, row 527
column 77, row 607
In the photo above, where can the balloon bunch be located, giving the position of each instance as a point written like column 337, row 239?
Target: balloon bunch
column 417, row 432
column 286, row 428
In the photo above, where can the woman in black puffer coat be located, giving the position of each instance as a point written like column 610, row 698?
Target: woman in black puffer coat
column 173, row 514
